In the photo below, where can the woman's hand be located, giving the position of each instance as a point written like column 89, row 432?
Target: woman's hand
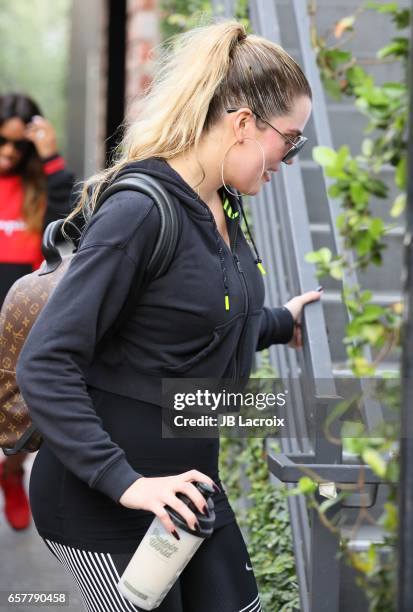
column 154, row 493
column 43, row 136
column 295, row 306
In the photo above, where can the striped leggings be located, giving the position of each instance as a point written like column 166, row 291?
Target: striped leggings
column 219, row 578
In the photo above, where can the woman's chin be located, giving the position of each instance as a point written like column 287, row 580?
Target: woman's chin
column 6, row 166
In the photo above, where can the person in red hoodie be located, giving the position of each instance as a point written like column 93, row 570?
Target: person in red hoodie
column 35, row 189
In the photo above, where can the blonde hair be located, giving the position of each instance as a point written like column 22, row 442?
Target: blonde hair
column 208, row 69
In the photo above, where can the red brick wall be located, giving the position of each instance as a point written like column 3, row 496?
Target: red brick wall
column 142, row 35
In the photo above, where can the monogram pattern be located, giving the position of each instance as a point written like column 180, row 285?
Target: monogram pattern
column 23, row 303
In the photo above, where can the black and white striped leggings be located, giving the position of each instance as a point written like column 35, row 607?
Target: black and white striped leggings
column 219, row 578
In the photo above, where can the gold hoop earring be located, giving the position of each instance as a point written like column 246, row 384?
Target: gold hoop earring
column 238, row 195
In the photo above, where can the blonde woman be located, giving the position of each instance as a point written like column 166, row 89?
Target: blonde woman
column 225, row 109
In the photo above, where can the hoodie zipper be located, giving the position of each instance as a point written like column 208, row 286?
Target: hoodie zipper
column 245, row 289
column 241, row 275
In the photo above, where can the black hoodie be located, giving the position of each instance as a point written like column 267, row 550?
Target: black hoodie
column 204, row 318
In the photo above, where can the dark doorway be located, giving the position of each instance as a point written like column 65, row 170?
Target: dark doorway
column 116, row 54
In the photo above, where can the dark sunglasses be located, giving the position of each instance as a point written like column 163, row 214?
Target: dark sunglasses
column 296, row 143
column 19, row 145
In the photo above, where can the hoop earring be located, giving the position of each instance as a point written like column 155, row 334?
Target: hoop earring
column 238, row 195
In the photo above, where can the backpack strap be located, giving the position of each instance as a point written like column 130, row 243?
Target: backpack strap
column 169, row 228
column 50, row 250
column 167, row 238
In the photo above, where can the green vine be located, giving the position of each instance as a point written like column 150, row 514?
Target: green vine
column 354, row 181
column 262, row 513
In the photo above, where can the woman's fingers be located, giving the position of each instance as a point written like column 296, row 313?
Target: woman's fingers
column 310, row 296
column 182, row 509
column 296, row 304
column 198, row 477
column 164, row 517
column 297, row 339
column 194, row 495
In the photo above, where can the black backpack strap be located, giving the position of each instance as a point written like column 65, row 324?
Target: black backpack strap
column 169, row 228
column 167, row 238
column 50, row 239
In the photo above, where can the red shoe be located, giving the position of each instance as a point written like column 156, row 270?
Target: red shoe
column 17, row 508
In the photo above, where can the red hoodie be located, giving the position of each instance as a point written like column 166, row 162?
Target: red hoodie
column 20, row 249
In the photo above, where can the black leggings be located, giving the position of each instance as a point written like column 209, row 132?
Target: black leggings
column 219, row 577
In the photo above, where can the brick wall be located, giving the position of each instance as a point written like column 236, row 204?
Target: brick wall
column 142, row 35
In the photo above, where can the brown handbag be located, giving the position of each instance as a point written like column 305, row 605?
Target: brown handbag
column 21, row 307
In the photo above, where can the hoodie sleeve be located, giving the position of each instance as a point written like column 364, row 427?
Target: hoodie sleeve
column 277, row 327
column 59, row 188
column 114, row 254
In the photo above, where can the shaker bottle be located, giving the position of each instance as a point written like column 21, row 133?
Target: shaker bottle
column 160, row 558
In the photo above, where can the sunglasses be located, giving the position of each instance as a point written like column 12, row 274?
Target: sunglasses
column 19, row 145
column 297, row 143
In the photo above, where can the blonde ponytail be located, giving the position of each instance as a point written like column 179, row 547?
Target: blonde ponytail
column 208, row 69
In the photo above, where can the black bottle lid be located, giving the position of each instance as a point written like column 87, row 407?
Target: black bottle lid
column 206, row 523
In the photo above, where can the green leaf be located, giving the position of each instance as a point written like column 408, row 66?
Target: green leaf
column 397, row 47
column 399, row 205
column 334, row 191
column 402, row 19
column 367, row 147
column 358, row 194
column 372, row 333
column 321, row 256
column 342, row 156
column 375, row 461
column 306, row 485
column 372, row 312
column 352, row 429
column 388, row 7
column 364, row 244
column 366, row 296
column 377, row 187
column 389, row 519
column 401, row 173
column 341, row 221
column 355, row 75
column 332, row 87
column 336, row 270
column 394, row 90
column 362, row 367
column 376, row 227
column 324, row 156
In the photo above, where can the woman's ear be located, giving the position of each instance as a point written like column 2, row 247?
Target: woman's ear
column 243, row 123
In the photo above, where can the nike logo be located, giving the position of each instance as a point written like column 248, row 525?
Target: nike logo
column 249, row 569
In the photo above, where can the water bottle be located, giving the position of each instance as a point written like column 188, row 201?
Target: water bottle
column 160, row 558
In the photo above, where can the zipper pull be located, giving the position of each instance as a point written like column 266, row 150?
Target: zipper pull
column 260, row 266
